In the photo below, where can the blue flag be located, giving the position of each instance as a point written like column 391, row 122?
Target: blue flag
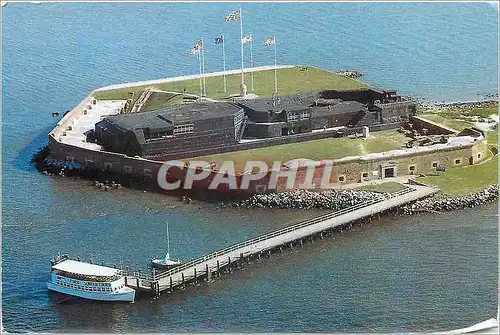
column 219, row 40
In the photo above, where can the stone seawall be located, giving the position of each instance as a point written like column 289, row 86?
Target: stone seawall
column 439, row 204
column 304, row 199
column 340, row 199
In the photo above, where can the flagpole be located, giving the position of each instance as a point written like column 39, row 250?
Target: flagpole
column 241, row 47
column 203, row 66
column 275, row 70
column 201, row 80
column 224, row 63
column 251, row 57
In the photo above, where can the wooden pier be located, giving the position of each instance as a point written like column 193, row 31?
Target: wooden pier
column 212, row 264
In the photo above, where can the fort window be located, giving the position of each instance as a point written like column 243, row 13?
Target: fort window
column 365, row 174
column 341, row 179
column 479, row 156
column 184, row 129
column 412, row 167
column 435, row 164
column 107, row 166
column 292, row 117
column 458, row 161
column 238, row 118
column 305, row 115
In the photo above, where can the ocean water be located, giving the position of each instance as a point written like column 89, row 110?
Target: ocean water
column 428, row 272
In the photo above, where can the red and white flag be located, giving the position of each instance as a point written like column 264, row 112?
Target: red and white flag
column 270, row 41
column 196, row 48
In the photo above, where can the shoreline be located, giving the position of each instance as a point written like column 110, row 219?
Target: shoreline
column 459, row 104
column 340, row 199
column 293, row 199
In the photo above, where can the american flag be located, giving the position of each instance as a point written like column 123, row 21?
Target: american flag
column 233, row 16
column 246, row 39
column 270, row 41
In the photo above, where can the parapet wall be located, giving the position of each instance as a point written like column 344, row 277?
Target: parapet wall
column 71, row 116
column 290, row 139
column 432, row 127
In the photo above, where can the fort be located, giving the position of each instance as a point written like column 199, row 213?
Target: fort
column 111, row 131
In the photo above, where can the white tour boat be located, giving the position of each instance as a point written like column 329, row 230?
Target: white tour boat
column 88, row 281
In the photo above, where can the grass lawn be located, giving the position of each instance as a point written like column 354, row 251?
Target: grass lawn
column 383, row 141
column 492, row 138
column 388, row 187
column 466, row 179
column 330, row 148
column 458, row 125
column 160, row 99
column 453, row 113
column 290, row 81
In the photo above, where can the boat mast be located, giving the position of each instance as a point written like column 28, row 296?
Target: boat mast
column 168, row 242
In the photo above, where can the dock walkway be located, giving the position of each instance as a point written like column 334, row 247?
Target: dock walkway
column 212, row 263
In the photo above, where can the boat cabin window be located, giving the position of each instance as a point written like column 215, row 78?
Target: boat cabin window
column 90, row 280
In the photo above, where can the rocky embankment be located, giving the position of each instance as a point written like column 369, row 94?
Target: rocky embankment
column 490, row 100
column 354, row 74
column 304, row 199
column 438, row 204
column 470, row 105
column 336, row 200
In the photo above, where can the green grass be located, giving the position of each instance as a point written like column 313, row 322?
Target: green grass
column 330, row 148
column 388, row 187
column 290, row 81
column 492, row 138
column 384, row 141
column 453, row 113
column 159, row 99
column 464, row 180
column 458, row 125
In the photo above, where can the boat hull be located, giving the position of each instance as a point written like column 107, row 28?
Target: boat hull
column 127, row 296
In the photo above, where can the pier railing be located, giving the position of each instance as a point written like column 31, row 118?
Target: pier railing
column 218, row 253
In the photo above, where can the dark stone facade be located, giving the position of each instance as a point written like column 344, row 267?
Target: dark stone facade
column 191, row 127
column 214, row 127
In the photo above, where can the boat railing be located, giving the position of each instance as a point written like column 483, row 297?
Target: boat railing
column 278, row 232
column 59, row 258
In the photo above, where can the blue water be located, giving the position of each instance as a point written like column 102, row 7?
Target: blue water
column 405, row 274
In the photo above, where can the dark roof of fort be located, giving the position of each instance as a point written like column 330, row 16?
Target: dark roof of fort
column 340, row 108
column 174, row 115
column 265, row 105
